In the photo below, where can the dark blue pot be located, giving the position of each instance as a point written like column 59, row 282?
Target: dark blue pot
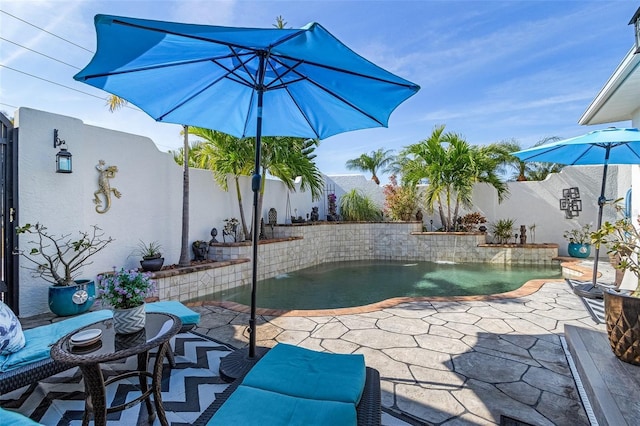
column 579, row 250
column 63, row 303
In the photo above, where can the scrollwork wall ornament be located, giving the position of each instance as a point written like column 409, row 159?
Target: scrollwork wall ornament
column 104, row 186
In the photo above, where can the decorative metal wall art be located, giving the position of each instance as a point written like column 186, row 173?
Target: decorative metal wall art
column 104, row 186
column 571, row 202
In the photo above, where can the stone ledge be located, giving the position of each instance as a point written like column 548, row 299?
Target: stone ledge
column 612, row 386
column 528, row 246
column 195, row 268
column 261, row 242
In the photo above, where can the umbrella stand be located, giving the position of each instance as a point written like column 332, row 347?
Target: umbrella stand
column 240, row 361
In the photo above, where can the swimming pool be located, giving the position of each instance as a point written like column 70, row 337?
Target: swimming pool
column 357, row 283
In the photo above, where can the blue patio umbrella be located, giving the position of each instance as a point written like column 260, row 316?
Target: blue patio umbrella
column 244, row 82
column 606, row 146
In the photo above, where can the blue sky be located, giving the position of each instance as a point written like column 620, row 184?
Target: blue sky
column 489, row 70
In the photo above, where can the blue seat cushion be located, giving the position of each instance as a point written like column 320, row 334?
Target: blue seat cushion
column 186, row 315
column 8, row 417
column 40, row 339
column 249, row 406
column 303, row 373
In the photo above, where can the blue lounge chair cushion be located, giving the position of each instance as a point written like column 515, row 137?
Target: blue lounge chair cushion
column 186, row 315
column 303, row 373
column 249, row 406
column 8, row 417
column 40, row 339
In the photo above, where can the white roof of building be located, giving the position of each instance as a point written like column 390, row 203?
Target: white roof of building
column 360, row 182
column 620, row 96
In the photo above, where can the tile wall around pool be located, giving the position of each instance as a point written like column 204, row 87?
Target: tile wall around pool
column 300, row 246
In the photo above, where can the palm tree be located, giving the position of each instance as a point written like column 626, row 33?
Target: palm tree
column 522, row 168
column 288, row 158
column 452, row 167
column 379, row 159
column 531, row 170
column 115, row 103
column 194, row 148
column 224, row 155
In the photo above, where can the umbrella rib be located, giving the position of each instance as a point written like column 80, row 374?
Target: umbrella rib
column 288, row 69
column 284, row 39
column 356, row 74
column 632, row 150
column 340, row 98
column 210, row 40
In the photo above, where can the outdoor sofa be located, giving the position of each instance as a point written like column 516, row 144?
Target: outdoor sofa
column 33, row 362
column 291, row 385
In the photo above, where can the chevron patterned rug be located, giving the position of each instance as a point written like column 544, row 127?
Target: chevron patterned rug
column 187, row 390
column 594, row 306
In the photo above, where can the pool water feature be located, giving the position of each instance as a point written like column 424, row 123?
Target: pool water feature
column 357, row 283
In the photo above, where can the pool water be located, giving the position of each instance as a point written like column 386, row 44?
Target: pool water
column 347, row 284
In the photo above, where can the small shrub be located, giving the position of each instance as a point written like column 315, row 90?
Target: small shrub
column 354, row 206
column 401, row 202
column 470, row 222
column 502, row 230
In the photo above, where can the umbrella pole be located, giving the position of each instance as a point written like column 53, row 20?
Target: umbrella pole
column 255, row 187
column 601, row 201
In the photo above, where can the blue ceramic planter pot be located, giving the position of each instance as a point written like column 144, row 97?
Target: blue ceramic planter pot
column 579, row 250
column 70, row 300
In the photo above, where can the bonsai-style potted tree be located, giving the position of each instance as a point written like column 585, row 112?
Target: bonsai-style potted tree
column 579, row 241
column 152, row 259
column 58, row 260
column 622, row 306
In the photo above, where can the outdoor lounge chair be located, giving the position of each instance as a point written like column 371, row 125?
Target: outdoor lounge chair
column 33, row 362
column 292, row 385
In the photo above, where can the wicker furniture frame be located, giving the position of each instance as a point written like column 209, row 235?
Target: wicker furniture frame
column 369, row 409
column 39, row 370
column 94, row 383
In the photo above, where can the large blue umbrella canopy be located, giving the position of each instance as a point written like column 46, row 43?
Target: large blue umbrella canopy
column 244, row 82
column 208, row 76
column 606, row 146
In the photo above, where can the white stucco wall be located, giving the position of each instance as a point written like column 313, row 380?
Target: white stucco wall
column 151, row 205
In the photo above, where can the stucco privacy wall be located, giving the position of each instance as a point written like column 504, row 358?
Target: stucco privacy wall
column 151, row 205
column 539, row 202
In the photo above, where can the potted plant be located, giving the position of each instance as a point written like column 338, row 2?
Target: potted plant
column 622, row 306
column 579, row 241
column 125, row 292
column 58, row 260
column 230, row 229
column 152, row 259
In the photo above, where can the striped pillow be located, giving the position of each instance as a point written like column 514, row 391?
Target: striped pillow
column 11, row 335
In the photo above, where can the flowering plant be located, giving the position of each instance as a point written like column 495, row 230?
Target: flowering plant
column 125, row 289
column 580, row 235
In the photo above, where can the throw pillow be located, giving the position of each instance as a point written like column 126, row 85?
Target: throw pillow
column 11, row 335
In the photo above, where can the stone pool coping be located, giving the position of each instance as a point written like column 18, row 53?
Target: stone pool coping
column 530, row 287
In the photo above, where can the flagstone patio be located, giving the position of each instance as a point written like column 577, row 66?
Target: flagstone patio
column 447, row 363
column 457, row 362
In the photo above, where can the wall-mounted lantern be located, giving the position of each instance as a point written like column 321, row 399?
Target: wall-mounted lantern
column 63, row 157
column 635, row 21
